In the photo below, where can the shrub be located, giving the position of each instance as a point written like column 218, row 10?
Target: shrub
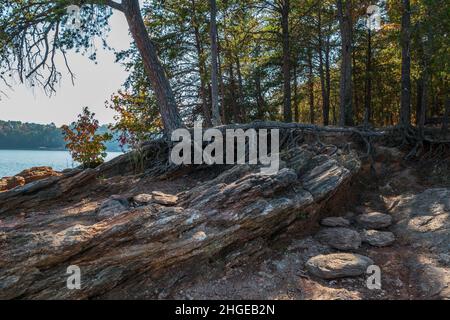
column 85, row 146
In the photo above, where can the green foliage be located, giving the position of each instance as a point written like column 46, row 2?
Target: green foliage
column 84, row 144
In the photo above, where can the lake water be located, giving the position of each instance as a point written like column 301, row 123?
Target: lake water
column 14, row 161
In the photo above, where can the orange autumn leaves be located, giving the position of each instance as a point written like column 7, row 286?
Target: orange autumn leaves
column 84, row 144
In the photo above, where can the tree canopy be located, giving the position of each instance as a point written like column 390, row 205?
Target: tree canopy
column 289, row 60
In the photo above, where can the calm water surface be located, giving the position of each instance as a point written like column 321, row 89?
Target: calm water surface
column 14, row 161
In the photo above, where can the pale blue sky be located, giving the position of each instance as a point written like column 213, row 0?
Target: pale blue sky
column 94, row 85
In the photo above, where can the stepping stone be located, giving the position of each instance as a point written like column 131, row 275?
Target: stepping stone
column 378, row 238
column 338, row 265
column 340, row 238
column 164, row 199
column 335, row 222
column 374, row 220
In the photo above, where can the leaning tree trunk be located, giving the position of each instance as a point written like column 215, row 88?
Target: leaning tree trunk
column 216, row 120
column 153, row 67
column 345, row 24
column 405, row 103
column 325, row 97
column 286, row 62
column 201, row 66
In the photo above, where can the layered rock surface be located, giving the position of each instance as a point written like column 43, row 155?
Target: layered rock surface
column 231, row 215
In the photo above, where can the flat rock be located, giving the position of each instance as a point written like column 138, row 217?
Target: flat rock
column 378, row 238
column 164, row 199
column 338, row 265
column 374, row 220
column 335, row 222
column 340, row 238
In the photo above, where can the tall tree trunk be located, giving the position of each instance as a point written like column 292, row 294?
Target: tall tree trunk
column 419, row 100
column 405, row 103
column 368, row 98
column 221, row 83
column 241, row 88
column 260, row 103
column 325, row 97
column 355, row 85
column 285, row 6
column 160, row 84
column 346, row 26
column 327, row 67
column 311, row 87
column 201, row 67
column 424, row 103
column 216, row 120
column 234, row 103
column 296, row 113
column 446, row 117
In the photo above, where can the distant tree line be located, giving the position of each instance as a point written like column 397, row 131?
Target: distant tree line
column 18, row 135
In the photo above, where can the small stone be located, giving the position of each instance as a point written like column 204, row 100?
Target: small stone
column 375, row 220
column 164, row 199
column 378, row 238
column 338, row 265
column 199, row 236
column 340, row 238
column 335, row 222
column 143, row 199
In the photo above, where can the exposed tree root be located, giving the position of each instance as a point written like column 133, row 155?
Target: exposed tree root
column 153, row 157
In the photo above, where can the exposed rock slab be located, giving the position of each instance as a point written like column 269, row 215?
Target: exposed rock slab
column 338, row 265
column 236, row 213
column 423, row 221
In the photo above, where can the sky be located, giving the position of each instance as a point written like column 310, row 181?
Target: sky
column 94, row 84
